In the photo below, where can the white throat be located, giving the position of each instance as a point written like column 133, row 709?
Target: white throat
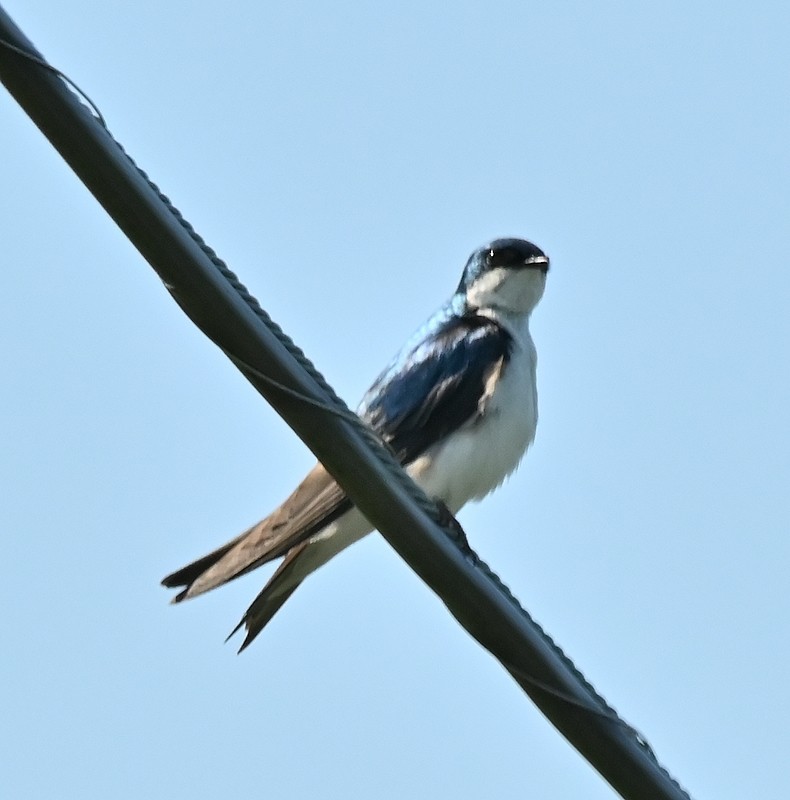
column 512, row 292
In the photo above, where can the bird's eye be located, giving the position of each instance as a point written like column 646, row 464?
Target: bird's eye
column 504, row 257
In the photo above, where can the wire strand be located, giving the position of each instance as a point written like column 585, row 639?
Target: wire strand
column 94, row 109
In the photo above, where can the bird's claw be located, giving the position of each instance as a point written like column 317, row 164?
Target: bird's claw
column 453, row 527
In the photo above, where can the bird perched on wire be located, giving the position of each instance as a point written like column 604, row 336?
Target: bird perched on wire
column 457, row 405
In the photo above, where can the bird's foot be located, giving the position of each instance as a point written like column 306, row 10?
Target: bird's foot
column 453, row 527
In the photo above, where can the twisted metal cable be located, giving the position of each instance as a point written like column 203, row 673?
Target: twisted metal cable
column 397, row 473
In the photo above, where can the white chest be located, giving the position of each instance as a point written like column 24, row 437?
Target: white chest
column 476, row 459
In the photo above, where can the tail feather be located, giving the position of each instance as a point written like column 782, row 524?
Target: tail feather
column 311, row 527
column 187, row 575
column 279, row 588
column 316, row 502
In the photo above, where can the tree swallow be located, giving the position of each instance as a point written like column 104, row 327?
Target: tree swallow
column 457, row 405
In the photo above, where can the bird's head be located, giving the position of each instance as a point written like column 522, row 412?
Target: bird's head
column 506, row 275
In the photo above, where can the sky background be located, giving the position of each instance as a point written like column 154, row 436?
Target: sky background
column 344, row 159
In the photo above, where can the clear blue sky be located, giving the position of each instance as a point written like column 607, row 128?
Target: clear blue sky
column 345, row 158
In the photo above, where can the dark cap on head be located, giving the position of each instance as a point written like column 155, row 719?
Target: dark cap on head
column 506, row 254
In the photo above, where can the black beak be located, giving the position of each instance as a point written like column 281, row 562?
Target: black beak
column 538, row 262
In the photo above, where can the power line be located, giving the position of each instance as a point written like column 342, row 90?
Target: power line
column 218, row 303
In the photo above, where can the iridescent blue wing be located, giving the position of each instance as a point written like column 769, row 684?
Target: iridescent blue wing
column 435, row 386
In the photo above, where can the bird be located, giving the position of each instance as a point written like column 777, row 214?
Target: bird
column 457, row 406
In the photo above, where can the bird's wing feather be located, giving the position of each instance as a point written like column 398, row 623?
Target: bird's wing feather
column 317, row 501
column 437, row 386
